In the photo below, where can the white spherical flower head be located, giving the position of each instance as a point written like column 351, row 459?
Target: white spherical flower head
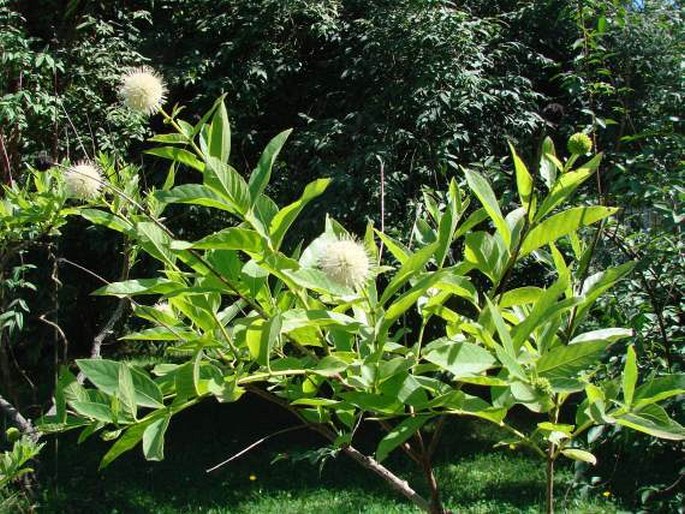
column 83, row 180
column 346, row 262
column 143, row 90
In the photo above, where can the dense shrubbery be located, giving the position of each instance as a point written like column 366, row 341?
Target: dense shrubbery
column 398, row 95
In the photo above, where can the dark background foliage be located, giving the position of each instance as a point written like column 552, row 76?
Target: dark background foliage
column 404, row 92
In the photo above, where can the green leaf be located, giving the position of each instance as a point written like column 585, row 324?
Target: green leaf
column 521, row 296
column 107, row 219
column 126, row 391
column 653, row 420
column 261, row 336
column 413, row 265
column 233, row 238
column 128, row 440
column 629, row 376
column 178, row 155
column 171, row 138
column 147, row 393
column 155, row 241
column 446, row 228
column 397, row 249
column 562, row 224
column 102, row 373
column 262, row 173
column 595, row 285
column 459, row 358
column 609, row 335
column 153, row 439
column 286, row 216
column 565, row 362
column 398, row 435
column 524, row 182
column 139, row 286
column 545, row 308
column 194, row 194
column 548, row 168
column 486, row 252
column 408, row 299
column 658, row 389
column 317, row 280
column 219, row 134
column 226, row 181
column 580, row 455
column 566, row 184
column 481, row 188
column 93, row 410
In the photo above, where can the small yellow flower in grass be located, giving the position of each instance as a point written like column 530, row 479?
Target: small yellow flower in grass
column 346, row 262
column 143, row 90
column 83, row 180
column 606, row 494
column 579, row 144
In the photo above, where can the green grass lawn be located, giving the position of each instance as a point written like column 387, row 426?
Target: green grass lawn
column 475, row 479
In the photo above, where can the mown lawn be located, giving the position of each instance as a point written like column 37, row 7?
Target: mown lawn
column 475, row 478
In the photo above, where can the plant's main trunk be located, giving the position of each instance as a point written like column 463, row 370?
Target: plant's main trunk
column 399, row 485
column 549, row 489
column 435, row 503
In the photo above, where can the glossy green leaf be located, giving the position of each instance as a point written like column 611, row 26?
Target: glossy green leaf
column 567, row 361
column 629, row 378
column 153, row 439
column 566, row 184
column 195, row 194
column 524, row 182
column 285, row 217
column 459, row 358
column 653, row 420
column 93, row 410
column 399, row 435
column 178, row 155
column 219, row 134
column 562, row 224
column 481, row 188
column 233, row 238
column 107, row 219
column 262, row 173
column 228, row 183
column 580, row 455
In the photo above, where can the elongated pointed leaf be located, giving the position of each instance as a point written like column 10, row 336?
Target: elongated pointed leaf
column 524, row 182
column 285, row 217
column 153, row 439
column 653, row 420
column 178, row 155
column 460, row 359
column 398, row 435
column 565, row 362
column 629, row 376
column 219, row 134
column 481, row 188
column 262, row 173
column 580, row 455
column 195, row 194
column 566, row 184
column 233, row 238
column 562, row 224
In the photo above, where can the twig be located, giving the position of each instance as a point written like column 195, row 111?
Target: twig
column 256, row 443
column 24, row 424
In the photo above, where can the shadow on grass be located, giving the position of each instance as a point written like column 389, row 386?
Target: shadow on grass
column 473, row 477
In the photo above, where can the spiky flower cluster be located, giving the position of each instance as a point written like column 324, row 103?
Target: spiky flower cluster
column 83, row 181
column 143, row 90
column 346, row 262
column 579, row 144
